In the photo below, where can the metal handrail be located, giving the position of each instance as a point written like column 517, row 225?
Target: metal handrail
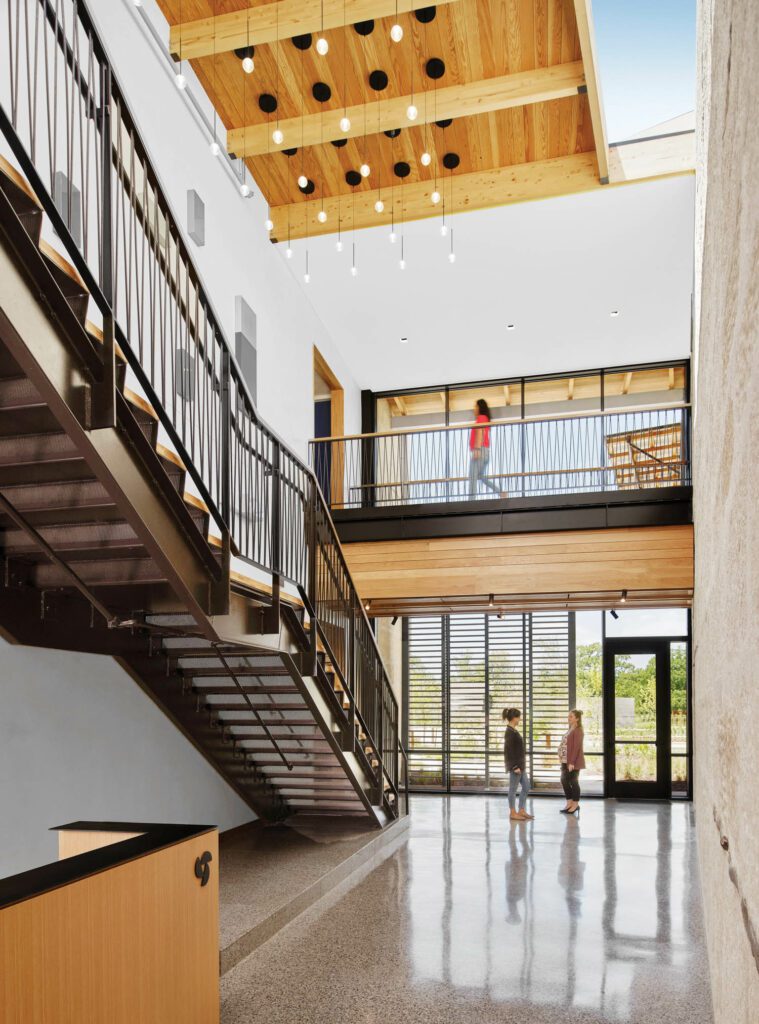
column 613, row 449
column 140, row 274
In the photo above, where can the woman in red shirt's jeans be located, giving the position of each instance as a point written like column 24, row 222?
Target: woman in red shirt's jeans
column 479, row 451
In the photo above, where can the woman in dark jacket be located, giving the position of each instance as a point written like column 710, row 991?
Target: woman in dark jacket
column 572, row 761
column 516, row 765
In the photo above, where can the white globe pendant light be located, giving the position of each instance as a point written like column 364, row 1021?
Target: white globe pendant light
column 277, row 137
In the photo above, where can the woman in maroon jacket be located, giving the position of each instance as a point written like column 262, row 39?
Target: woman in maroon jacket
column 572, row 761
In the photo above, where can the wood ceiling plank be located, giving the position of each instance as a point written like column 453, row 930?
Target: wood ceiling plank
column 265, row 23
column 475, row 191
column 457, row 101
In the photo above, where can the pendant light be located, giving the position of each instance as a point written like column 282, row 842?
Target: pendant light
column 322, row 46
column 345, row 121
column 307, row 276
column 278, row 136
column 179, row 79
column 451, row 254
column 396, row 32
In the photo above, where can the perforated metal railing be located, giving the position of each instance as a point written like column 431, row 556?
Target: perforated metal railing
column 67, row 126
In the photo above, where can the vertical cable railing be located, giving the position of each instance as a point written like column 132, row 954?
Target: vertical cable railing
column 617, row 450
column 67, row 125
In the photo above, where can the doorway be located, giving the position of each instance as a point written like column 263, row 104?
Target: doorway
column 329, row 422
column 637, row 713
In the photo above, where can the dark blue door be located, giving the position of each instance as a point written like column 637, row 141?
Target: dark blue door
column 323, row 452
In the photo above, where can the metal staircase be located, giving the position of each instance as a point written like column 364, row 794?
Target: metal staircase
column 145, row 510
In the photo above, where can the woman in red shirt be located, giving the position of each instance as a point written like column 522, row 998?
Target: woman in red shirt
column 479, row 451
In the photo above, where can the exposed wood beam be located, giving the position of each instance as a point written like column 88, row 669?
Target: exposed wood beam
column 571, row 388
column 477, row 191
column 480, row 190
column 267, row 22
column 626, row 382
column 442, row 400
column 671, row 378
column 507, row 394
column 517, row 90
column 586, row 35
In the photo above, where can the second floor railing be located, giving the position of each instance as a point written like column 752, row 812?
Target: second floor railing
column 66, row 122
column 616, row 450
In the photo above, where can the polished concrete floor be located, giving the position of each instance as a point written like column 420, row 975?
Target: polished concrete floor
column 477, row 919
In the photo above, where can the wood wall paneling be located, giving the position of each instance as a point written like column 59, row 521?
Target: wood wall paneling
column 645, row 558
column 136, row 943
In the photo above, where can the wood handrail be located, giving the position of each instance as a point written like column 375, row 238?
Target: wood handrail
column 537, row 472
column 505, row 423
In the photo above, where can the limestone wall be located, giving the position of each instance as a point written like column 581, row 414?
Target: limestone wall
column 726, row 671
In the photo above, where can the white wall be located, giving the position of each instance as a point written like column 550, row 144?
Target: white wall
column 80, row 740
column 237, row 258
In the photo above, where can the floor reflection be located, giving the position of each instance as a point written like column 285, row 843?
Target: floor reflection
column 477, row 920
column 599, row 912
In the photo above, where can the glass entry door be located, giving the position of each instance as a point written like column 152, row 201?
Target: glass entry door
column 636, row 718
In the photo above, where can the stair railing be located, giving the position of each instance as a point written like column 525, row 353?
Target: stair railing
column 67, row 123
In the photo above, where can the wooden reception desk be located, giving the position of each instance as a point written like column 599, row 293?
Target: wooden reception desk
column 122, row 929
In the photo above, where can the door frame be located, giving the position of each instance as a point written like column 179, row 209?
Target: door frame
column 337, row 426
column 660, row 648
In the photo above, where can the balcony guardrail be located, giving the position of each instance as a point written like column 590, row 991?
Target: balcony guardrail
column 614, row 450
column 67, row 123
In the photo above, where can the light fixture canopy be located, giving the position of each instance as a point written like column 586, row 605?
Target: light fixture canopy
column 396, row 33
column 322, row 46
column 277, row 137
column 345, row 123
column 411, row 112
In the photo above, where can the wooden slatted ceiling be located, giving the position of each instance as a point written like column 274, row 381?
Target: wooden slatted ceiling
column 477, row 39
column 645, row 558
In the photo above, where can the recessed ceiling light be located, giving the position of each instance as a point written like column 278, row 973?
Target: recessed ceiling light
column 404, row 341
column 614, row 312
column 510, row 327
